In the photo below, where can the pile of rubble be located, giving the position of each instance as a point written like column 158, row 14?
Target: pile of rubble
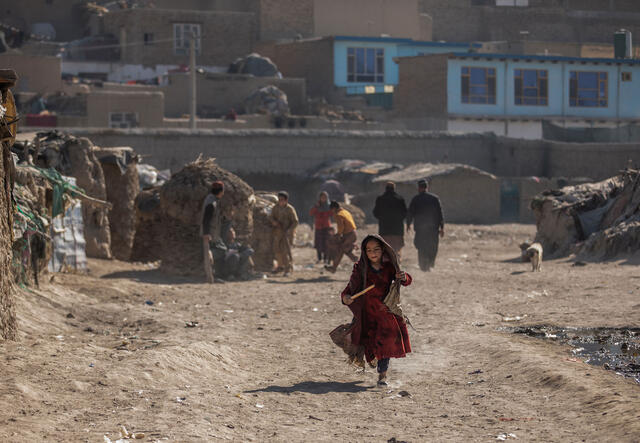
column 596, row 221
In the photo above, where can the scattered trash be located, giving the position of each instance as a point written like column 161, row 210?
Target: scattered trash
column 315, row 309
column 264, row 316
column 91, row 365
column 191, row 324
column 148, row 302
column 503, row 437
column 70, row 315
column 477, row 371
column 228, row 311
column 315, row 418
column 579, row 263
column 181, row 399
column 515, row 318
column 404, row 394
column 259, row 406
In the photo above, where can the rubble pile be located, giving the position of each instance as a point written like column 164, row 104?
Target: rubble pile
column 169, row 217
column 597, row 221
column 119, row 166
column 268, row 100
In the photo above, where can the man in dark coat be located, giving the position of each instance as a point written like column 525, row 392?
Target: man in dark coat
column 391, row 211
column 425, row 213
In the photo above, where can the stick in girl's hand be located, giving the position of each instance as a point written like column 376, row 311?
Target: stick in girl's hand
column 353, row 297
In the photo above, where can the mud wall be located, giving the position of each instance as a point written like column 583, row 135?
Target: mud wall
column 7, row 312
column 296, row 151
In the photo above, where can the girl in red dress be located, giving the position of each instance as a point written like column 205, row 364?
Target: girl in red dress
column 382, row 334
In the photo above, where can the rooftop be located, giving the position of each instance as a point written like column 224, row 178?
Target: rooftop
column 406, row 41
column 545, row 58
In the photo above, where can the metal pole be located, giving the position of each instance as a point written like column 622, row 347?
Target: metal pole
column 192, row 73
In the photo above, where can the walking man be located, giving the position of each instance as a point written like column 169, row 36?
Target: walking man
column 425, row 212
column 391, row 211
column 284, row 220
column 211, row 230
column 344, row 240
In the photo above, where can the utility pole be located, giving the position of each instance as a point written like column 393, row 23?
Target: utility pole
column 192, row 73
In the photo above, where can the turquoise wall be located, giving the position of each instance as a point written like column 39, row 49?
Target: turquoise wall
column 626, row 104
column 392, row 48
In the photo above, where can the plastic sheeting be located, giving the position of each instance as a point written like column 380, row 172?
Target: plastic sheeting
column 67, row 232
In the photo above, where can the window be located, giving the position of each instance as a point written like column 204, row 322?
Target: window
column 531, row 87
column 148, row 38
column 521, row 3
column 123, row 120
column 479, row 85
column 365, row 65
column 588, row 89
column 182, row 37
column 626, row 76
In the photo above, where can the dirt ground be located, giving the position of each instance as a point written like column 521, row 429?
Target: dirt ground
column 260, row 366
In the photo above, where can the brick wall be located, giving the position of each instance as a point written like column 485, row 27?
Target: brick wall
column 280, row 19
column 422, row 87
column 582, row 22
column 310, row 59
column 225, row 35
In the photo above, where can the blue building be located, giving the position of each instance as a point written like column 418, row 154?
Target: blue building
column 513, row 94
column 342, row 67
column 365, row 65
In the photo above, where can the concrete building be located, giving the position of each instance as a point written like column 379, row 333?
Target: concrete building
column 340, row 66
column 513, row 94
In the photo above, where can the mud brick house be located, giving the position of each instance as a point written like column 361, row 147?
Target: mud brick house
column 223, row 35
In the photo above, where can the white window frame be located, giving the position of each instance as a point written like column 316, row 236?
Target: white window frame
column 182, row 37
column 123, row 122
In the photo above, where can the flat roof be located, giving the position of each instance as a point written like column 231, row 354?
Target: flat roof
column 406, row 41
column 545, row 58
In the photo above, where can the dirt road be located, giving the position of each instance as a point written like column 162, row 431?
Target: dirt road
column 259, row 366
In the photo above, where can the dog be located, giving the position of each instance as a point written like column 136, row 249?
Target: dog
column 534, row 252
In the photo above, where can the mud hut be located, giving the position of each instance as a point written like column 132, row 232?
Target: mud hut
column 76, row 157
column 261, row 237
column 596, row 220
column 8, row 129
column 148, row 226
column 175, row 212
column 468, row 194
column 119, row 166
column 7, row 309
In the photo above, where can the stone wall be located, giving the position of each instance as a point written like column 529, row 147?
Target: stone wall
column 310, row 59
column 225, row 35
column 296, row 151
